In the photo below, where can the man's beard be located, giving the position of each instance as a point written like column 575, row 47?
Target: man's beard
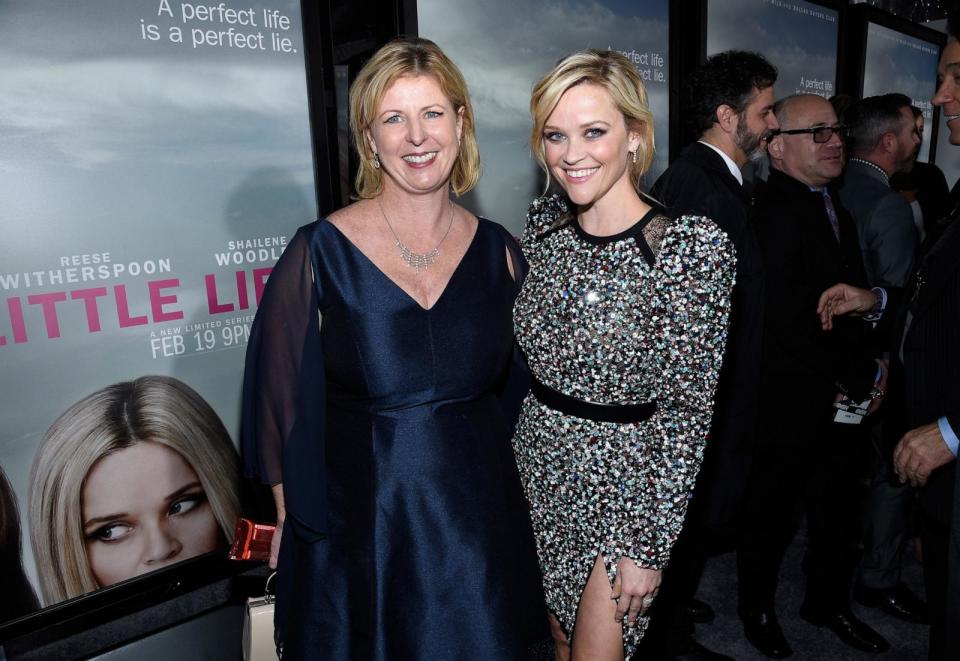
column 751, row 144
column 905, row 165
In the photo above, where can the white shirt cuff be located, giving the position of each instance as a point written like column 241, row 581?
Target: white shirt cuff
column 949, row 437
column 877, row 312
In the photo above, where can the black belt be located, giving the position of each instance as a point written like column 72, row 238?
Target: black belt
column 590, row 410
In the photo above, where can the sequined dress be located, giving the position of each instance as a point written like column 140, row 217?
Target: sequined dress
column 625, row 319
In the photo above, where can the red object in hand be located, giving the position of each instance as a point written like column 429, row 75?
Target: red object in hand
column 251, row 541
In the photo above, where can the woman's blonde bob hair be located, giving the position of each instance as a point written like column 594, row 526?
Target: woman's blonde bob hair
column 611, row 71
column 159, row 409
column 410, row 57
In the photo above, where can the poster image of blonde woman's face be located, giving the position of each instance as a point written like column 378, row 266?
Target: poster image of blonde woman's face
column 143, row 508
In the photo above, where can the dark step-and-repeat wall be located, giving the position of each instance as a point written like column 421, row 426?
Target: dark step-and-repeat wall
column 155, row 158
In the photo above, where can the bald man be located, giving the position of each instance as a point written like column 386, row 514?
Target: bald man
column 808, row 450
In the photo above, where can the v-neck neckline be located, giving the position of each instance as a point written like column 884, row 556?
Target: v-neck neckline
column 395, row 284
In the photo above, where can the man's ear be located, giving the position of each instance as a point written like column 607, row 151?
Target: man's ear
column 889, row 142
column 727, row 118
column 775, row 147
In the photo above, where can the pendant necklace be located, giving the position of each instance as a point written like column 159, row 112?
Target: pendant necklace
column 416, row 260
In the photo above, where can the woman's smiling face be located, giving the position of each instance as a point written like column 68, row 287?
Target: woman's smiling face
column 143, row 508
column 416, row 134
column 587, row 145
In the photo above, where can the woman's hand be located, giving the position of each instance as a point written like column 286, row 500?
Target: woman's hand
column 634, row 589
column 281, row 515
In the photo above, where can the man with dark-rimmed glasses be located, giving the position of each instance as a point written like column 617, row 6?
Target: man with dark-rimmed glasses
column 821, row 134
column 808, row 450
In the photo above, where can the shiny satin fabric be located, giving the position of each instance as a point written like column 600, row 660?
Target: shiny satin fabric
column 426, row 550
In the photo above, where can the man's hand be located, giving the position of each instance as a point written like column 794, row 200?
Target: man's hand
column 919, row 453
column 844, row 299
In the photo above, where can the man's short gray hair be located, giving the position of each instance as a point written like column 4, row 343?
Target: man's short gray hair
column 869, row 119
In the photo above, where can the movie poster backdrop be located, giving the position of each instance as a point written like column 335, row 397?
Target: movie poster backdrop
column 155, row 158
column 897, row 62
column 504, row 46
column 799, row 38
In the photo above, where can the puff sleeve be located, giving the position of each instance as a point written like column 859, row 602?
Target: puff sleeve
column 697, row 269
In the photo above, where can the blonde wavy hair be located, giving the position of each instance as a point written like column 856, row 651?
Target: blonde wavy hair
column 614, row 73
column 410, row 57
column 159, row 409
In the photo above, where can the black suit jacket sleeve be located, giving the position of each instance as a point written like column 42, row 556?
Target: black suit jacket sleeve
column 888, row 325
column 929, row 374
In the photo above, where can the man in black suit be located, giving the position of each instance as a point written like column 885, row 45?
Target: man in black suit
column 730, row 97
column 924, row 393
column 803, row 453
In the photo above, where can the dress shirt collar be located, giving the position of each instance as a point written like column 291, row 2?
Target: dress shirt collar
column 734, row 170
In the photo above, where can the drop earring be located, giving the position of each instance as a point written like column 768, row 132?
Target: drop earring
column 376, row 160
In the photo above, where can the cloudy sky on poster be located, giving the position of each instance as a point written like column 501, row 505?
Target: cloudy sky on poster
column 799, row 38
column 123, row 152
column 504, row 46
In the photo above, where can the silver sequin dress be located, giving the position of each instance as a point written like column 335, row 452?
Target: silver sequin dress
column 626, row 319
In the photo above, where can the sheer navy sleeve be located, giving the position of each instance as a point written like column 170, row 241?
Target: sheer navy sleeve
column 516, row 382
column 284, row 387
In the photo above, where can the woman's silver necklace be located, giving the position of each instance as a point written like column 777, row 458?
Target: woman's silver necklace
column 416, row 260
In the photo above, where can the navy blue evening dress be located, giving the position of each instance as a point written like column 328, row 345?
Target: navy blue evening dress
column 407, row 535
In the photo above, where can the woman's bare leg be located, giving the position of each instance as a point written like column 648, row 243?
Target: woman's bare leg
column 561, row 645
column 597, row 634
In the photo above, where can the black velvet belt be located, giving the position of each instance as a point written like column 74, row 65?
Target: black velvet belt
column 590, row 410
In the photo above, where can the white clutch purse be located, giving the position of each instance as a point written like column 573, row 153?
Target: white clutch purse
column 258, row 630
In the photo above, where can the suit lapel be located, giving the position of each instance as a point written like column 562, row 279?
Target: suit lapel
column 819, row 231
column 936, row 270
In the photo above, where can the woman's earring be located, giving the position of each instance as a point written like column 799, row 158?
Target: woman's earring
column 633, row 156
column 376, row 160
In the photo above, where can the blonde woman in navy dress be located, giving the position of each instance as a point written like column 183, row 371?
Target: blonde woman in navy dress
column 372, row 396
column 623, row 320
